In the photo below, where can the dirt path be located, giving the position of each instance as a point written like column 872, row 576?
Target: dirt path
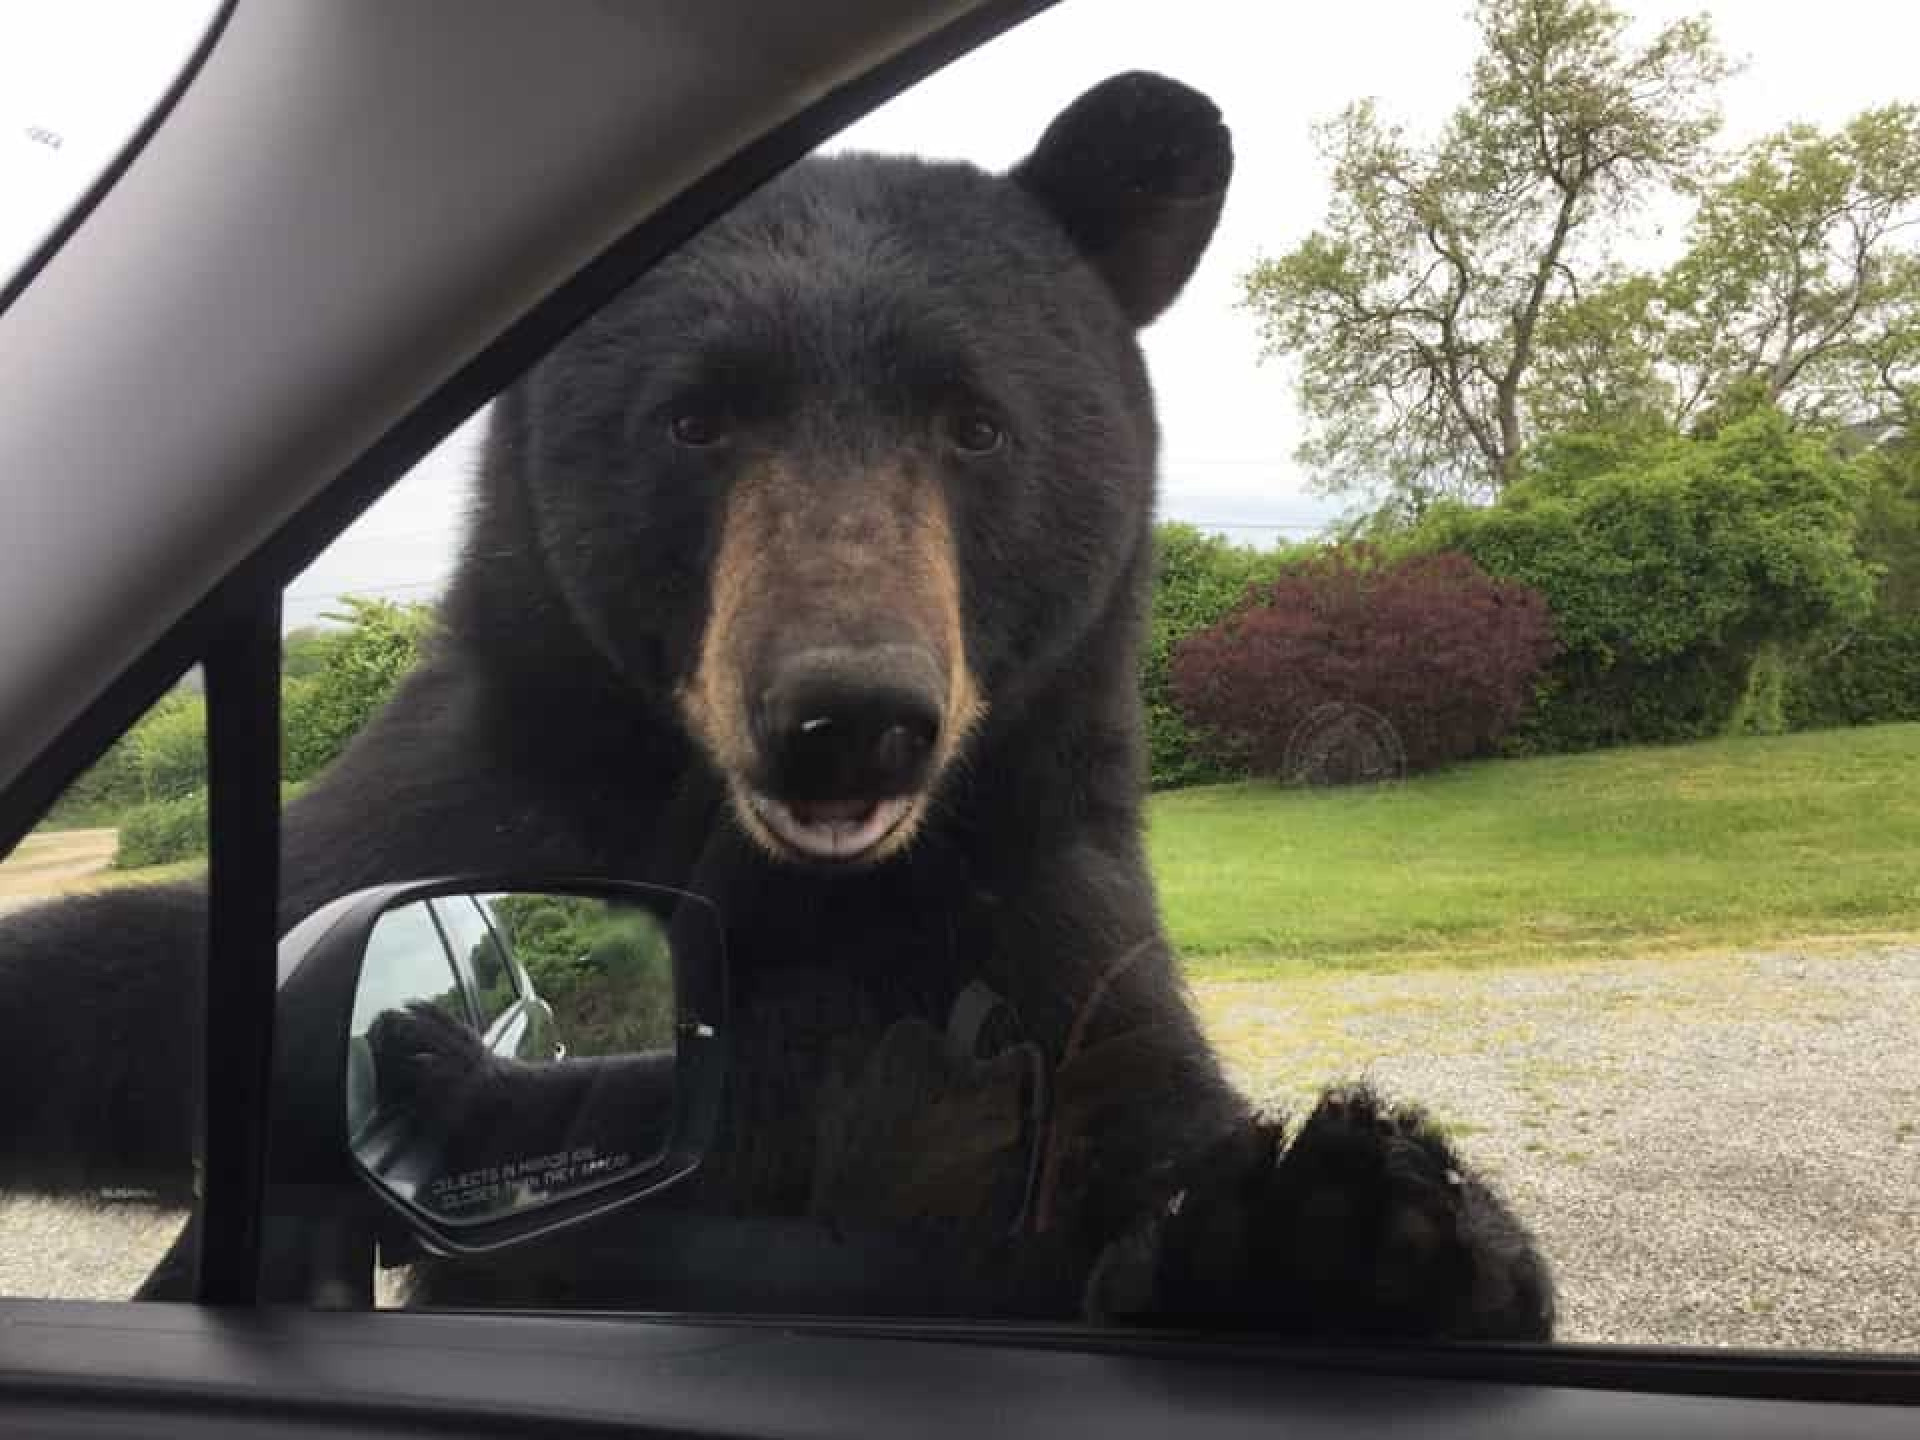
column 51, row 861
column 1713, row 1151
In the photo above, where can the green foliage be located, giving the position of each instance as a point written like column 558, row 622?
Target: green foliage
column 163, row 831
column 1799, row 288
column 1198, row 579
column 170, row 747
column 1870, row 676
column 108, row 787
column 1890, row 523
column 1417, row 310
column 1762, row 707
column 607, row 971
column 1869, row 673
column 1795, row 278
column 304, row 650
column 163, row 757
column 1598, row 375
column 356, row 670
column 1668, row 573
column 334, row 681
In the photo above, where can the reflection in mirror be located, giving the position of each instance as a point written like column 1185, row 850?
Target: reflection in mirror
column 510, row 1050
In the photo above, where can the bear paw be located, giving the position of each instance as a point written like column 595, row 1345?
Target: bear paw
column 1367, row 1225
column 425, row 1060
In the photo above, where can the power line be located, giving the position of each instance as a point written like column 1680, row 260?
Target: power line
column 1303, row 527
column 317, row 595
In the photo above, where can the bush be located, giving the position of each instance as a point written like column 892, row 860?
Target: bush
column 607, row 971
column 349, row 677
column 163, row 757
column 1670, row 574
column 1445, row 655
column 1870, row 677
column 1198, row 578
column 170, row 747
column 1762, row 707
column 304, row 650
column 99, row 795
column 1890, row 522
column 163, row 831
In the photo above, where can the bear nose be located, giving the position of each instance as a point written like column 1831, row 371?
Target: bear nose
column 849, row 724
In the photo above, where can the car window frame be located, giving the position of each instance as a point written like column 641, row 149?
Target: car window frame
column 455, row 971
column 463, row 966
column 524, row 989
column 234, row 631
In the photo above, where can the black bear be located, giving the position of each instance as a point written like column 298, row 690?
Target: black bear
column 810, row 576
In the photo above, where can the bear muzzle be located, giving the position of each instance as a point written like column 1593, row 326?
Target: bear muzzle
column 845, row 741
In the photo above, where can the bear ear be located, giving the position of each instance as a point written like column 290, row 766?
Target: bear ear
column 1136, row 171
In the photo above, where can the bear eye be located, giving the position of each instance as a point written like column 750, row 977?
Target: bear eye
column 976, row 433
column 696, row 430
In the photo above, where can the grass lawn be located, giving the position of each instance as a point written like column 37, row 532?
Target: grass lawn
column 1723, row 843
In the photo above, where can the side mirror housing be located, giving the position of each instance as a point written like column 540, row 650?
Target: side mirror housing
column 487, row 1060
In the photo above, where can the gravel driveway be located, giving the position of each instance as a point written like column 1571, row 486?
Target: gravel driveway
column 1713, row 1151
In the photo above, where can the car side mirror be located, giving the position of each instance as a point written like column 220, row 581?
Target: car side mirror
column 500, row 1058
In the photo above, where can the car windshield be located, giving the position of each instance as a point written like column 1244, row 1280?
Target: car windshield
column 1268, row 667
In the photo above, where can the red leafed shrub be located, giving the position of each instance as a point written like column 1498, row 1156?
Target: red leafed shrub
column 1427, row 657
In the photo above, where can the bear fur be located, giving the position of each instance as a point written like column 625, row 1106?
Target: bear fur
column 895, row 411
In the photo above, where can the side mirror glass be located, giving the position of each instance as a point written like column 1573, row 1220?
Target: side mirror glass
column 515, row 1058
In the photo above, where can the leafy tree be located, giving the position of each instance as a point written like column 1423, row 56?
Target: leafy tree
column 359, row 668
column 1416, row 311
column 1795, row 285
column 1600, row 374
column 1798, row 289
column 304, row 650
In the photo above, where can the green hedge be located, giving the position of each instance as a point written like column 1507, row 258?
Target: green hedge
column 1869, row 677
column 334, row 681
column 164, row 832
column 163, row 757
column 607, row 972
column 1671, row 572
column 1198, row 579
column 170, row 746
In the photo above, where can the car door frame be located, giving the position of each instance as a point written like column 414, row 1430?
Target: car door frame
column 231, row 1359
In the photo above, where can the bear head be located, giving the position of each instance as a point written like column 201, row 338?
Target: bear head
column 836, row 485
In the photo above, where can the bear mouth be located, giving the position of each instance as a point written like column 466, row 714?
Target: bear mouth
column 832, row 831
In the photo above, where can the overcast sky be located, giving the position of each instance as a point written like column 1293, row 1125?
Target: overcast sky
column 1274, row 69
